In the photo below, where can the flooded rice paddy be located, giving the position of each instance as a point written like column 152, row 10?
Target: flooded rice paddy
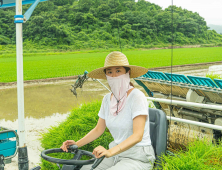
column 46, row 99
column 47, row 104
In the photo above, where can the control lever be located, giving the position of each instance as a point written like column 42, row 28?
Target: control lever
column 97, row 162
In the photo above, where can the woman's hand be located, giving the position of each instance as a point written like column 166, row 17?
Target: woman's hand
column 101, row 151
column 66, row 145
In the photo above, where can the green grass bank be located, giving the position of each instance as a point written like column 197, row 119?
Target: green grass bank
column 50, row 65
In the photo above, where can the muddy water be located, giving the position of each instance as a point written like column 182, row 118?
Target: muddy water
column 43, row 100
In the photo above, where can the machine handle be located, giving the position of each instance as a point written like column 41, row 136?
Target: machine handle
column 97, row 162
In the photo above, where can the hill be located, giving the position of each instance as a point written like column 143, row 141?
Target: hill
column 217, row 28
column 98, row 24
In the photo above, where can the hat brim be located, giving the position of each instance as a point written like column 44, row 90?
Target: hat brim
column 135, row 71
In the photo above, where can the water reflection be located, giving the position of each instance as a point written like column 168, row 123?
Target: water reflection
column 46, row 99
column 216, row 69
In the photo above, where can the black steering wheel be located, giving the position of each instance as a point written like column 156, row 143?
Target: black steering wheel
column 76, row 159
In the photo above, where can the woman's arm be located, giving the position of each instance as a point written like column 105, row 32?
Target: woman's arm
column 93, row 134
column 137, row 136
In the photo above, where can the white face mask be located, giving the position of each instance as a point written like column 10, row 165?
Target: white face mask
column 119, row 87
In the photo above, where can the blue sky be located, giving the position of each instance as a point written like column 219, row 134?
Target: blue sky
column 210, row 10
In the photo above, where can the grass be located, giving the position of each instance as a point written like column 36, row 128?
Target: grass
column 214, row 76
column 50, row 65
column 200, row 155
column 80, row 121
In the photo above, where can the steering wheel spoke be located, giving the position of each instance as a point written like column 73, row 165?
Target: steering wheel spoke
column 78, row 155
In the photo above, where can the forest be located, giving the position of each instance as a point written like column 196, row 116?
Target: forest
column 83, row 24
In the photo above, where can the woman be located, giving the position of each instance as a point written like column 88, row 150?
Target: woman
column 125, row 113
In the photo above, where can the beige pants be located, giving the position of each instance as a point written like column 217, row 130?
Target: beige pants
column 135, row 158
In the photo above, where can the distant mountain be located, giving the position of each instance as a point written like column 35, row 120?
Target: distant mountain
column 217, row 28
column 83, row 24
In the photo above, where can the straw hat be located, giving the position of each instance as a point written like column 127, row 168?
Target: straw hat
column 117, row 59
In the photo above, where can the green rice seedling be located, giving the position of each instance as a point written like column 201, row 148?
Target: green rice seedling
column 80, row 121
column 44, row 65
column 213, row 76
column 200, row 154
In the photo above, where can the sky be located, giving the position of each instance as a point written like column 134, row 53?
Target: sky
column 210, row 10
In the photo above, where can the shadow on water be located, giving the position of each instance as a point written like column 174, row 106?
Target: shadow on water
column 43, row 100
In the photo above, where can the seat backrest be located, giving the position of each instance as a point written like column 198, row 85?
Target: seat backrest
column 158, row 131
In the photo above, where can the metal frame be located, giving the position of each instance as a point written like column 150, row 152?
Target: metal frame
column 206, row 125
column 11, row 4
column 181, row 103
column 204, row 81
column 190, row 86
column 184, row 103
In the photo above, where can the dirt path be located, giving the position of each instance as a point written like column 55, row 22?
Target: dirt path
column 40, row 81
